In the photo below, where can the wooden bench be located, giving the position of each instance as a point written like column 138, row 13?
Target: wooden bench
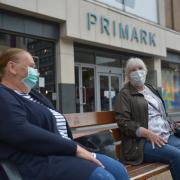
column 89, row 123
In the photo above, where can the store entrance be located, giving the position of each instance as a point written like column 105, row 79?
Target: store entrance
column 84, row 86
column 96, row 87
column 109, row 81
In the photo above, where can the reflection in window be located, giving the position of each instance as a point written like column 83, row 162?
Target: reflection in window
column 44, row 55
column 143, row 8
column 171, row 85
column 84, row 57
column 104, row 60
column 46, row 58
column 108, row 61
column 104, row 93
column 88, row 89
column 114, row 3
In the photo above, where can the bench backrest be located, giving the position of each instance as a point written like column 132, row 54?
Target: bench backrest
column 92, row 122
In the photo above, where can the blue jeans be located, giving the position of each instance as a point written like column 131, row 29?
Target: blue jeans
column 114, row 170
column 168, row 154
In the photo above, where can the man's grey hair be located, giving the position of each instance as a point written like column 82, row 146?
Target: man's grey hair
column 133, row 62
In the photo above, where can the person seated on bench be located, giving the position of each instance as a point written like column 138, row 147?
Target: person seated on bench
column 28, row 133
column 141, row 116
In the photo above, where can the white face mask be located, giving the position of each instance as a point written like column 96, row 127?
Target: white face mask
column 138, row 78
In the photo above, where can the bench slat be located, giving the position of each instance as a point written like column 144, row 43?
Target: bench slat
column 88, row 119
column 132, row 168
column 145, row 171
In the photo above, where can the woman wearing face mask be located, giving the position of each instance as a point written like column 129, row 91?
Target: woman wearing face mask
column 141, row 116
column 29, row 137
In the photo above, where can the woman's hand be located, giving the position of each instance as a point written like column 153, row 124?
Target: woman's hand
column 84, row 154
column 152, row 137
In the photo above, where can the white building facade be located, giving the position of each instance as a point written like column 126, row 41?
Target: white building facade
column 81, row 48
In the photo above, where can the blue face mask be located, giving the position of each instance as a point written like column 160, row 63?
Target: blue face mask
column 32, row 78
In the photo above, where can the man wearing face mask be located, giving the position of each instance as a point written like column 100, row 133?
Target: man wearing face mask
column 35, row 136
column 141, row 116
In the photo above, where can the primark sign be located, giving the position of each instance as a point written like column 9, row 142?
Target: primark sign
column 121, row 30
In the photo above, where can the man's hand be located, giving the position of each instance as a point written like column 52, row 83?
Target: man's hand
column 84, row 154
column 155, row 140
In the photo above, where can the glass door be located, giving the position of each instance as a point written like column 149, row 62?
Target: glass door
column 109, row 81
column 84, row 85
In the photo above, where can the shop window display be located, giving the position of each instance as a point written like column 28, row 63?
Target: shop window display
column 43, row 52
column 171, row 85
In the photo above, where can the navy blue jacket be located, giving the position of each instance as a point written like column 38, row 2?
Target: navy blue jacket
column 29, row 138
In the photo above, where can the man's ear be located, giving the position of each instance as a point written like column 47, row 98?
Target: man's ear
column 11, row 67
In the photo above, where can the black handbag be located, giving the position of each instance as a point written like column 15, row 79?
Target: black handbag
column 101, row 142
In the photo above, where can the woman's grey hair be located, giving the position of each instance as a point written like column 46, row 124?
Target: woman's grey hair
column 134, row 62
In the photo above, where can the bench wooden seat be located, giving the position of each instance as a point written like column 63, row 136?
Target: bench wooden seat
column 146, row 170
column 88, row 123
column 92, row 122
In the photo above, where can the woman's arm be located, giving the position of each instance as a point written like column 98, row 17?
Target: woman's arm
column 123, row 115
column 84, row 154
column 16, row 131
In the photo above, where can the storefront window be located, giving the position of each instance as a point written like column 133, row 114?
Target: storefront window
column 99, row 75
column 106, row 61
column 44, row 56
column 142, row 8
column 171, row 85
column 114, row 3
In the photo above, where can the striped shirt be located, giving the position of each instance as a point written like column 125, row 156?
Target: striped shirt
column 60, row 120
